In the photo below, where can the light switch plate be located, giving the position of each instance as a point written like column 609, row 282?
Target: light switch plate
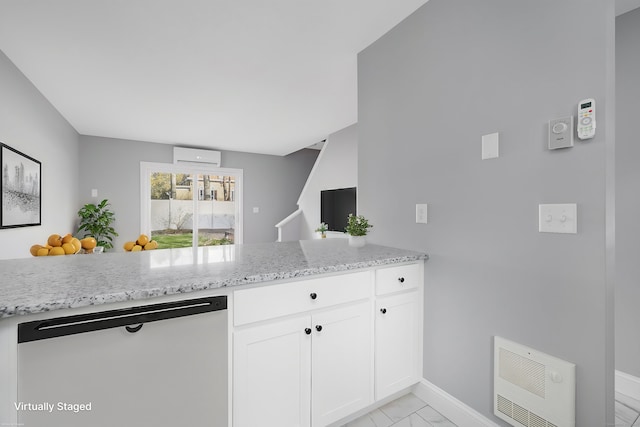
column 94, row 192
column 561, row 133
column 421, row 213
column 256, row 210
column 559, row 218
column 490, row 146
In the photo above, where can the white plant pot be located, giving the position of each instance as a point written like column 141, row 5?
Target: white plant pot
column 357, row 241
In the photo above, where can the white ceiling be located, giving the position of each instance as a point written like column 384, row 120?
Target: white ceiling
column 263, row 76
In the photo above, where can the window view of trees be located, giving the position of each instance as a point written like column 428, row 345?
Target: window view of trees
column 172, row 209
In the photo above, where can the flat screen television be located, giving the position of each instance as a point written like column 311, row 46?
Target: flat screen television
column 335, row 207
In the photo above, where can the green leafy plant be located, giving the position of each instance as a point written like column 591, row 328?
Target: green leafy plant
column 357, row 225
column 95, row 221
column 322, row 228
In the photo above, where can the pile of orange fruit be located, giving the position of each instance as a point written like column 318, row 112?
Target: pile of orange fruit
column 59, row 245
column 142, row 244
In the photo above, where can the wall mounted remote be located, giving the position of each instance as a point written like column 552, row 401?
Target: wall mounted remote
column 586, row 118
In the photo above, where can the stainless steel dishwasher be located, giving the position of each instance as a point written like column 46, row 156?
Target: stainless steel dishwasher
column 155, row 365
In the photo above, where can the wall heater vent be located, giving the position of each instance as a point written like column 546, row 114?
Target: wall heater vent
column 531, row 388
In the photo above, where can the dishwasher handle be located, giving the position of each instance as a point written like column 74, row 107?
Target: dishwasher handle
column 71, row 325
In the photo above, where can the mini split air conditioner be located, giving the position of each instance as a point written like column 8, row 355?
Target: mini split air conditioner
column 192, row 155
column 531, row 388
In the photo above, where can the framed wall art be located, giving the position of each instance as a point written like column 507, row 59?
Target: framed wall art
column 21, row 196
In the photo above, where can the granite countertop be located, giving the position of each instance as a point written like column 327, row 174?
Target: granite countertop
column 37, row 285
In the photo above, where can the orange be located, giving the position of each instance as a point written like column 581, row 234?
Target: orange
column 143, row 240
column 88, row 243
column 57, row 250
column 136, row 248
column 76, row 244
column 34, row 249
column 68, row 248
column 55, row 240
column 151, row 245
column 43, row 252
column 67, row 238
column 128, row 246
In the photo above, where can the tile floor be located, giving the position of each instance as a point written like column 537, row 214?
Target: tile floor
column 627, row 411
column 410, row 411
column 406, row 411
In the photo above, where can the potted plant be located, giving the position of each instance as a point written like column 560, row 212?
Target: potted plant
column 322, row 229
column 357, row 228
column 95, row 221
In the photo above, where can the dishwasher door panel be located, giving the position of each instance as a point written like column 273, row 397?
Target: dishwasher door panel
column 171, row 372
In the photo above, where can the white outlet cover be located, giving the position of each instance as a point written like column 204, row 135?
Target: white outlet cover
column 558, row 218
column 421, row 213
column 490, row 146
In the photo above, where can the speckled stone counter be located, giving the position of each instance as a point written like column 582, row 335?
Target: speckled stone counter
column 37, row 285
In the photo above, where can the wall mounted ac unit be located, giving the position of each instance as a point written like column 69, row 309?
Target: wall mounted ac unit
column 192, row 155
column 531, row 388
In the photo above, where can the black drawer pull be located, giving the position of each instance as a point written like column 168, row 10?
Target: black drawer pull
column 307, row 331
column 383, row 310
column 313, row 295
column 318, row 328
column 401, row 279
column 134, row 329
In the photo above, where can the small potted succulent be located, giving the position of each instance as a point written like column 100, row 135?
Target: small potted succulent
column 357, row 228
column 322, row 229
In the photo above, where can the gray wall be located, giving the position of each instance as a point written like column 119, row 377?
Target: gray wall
column 31, row 125
column 112, row 166
column 428, row 90
column 627, row 193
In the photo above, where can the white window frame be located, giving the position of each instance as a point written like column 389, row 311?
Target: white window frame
column 146, row 168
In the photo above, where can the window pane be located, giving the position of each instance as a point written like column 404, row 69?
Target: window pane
column 216, row 210
column 172, row 209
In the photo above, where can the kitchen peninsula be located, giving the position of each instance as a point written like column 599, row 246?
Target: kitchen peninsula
column 374, row 294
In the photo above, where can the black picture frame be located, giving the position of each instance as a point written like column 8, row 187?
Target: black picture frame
column 21, row 189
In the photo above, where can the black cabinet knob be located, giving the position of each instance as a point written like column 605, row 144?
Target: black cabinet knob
column 401, row 279
column 313, row 295
column 318, row 328
column 307, row 331
column 383, row 310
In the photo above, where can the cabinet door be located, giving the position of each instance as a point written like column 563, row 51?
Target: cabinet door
column 342, row 362
column 272, row 375
column 397, row 343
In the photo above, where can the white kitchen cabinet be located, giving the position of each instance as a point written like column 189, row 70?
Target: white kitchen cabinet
column 397, row 342
column 272, row 374
column 306, row 369
column 313, row 352
column 342, row 366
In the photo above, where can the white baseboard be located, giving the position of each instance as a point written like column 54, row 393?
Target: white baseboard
column 456, row 411
column 628, row 385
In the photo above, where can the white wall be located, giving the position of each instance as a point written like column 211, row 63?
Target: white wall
column 336, row 167
column 31, row 125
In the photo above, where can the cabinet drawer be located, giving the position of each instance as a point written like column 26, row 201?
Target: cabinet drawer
column 395, row 279
column 253, row 305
